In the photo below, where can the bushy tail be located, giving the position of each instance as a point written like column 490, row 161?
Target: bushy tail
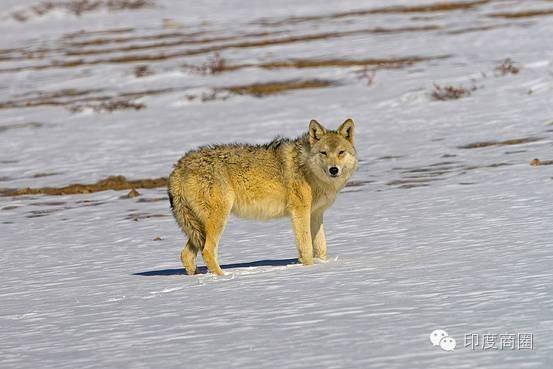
column 187, row 219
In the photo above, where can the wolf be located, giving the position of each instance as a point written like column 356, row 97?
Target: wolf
column 297, row 178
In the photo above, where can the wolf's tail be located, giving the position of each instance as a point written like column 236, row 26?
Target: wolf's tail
column 187, row 219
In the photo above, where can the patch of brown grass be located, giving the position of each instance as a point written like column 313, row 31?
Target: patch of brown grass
column 77, row 100
column 246, row 44
column 219, row 65
column 430, row 8
column 271, row 88
column 515, row 141
column 326, row 63
column 116, row 183
column 259, row 89
column 54, row 98
column 522, row 14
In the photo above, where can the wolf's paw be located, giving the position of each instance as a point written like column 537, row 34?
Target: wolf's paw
column 306, row 261
column 320, row 259
column 192, row 271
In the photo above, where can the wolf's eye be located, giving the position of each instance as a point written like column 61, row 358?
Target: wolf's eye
column 341, row 153
column 323, row 153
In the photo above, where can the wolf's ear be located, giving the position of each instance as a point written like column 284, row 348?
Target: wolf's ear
column 316, row 131
column 346, row 130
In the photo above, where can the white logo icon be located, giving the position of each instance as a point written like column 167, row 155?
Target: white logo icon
column 448, row 343
column 439, row 337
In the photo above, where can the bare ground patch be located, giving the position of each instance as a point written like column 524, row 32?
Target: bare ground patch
column 522, row 14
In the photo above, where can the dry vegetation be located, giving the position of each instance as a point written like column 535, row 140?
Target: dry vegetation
column 107, row 106
column 78, row 7
column 214, row 65
column 271, row 88
column 217, row 64
column 442, row 93
column 430, row 8
column 142, row 71
column 367, row 74
column 168, row 54
column 515, row 141
column 344, row 63
column 507, row 67
column 78, row 100
column 522, row 14
column 116, row 183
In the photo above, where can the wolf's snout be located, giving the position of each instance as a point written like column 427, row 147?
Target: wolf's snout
column 333, row 171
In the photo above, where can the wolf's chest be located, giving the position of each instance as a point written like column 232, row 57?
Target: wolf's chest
column 322, row 200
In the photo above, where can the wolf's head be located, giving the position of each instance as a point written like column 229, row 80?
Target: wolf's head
column 332, row 156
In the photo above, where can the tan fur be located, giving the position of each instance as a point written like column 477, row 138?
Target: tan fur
column 283, row 178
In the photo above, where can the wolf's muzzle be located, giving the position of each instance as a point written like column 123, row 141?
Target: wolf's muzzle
column 334, row 171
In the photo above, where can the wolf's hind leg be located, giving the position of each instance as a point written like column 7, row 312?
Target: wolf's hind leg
column 188, row 258
column 214, row 226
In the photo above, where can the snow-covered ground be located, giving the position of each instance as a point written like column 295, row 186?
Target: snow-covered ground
column 430, row 235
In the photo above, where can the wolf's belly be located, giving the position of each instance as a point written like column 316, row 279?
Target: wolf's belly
column 263, row 209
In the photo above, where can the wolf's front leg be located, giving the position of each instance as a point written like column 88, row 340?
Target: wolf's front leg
column 301, row 225
column 318, row 235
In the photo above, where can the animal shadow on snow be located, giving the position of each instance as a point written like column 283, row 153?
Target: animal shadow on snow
column 203, row 269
